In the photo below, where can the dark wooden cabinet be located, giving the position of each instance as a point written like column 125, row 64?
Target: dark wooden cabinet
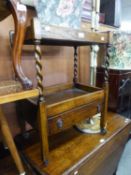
column 119, row 88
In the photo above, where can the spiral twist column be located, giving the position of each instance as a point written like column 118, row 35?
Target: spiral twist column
column 42, row 114
column 75, row 79
column 39, row 75
column 106, row 90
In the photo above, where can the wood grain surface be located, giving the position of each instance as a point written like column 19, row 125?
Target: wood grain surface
column 72, row 151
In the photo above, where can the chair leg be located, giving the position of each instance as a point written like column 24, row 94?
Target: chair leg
column 42, row 117
column 10, row 143
column 4, row 142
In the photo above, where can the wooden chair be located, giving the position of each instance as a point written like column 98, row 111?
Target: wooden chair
column 75, row 106
column 11, row 91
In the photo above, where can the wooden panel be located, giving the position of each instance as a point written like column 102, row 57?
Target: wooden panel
column 56, row 88
column 70, row 150
column 64, row 36
column 84, row 65
column 18, row 96
column 64, row 95
column 6, row 71
column 60, row 106
column 105, row 159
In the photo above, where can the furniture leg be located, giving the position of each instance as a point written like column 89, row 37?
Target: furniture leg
column 4, row 142
column 106, row 92
column 42, row 116
column 10, row 143
column 43, row 131
column 105, row 107
column 19, row 13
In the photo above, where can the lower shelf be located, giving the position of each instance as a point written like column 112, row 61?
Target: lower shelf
column 71, row 97
column 72, row 152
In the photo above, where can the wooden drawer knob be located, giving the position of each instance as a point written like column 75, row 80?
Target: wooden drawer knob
column 59, row 123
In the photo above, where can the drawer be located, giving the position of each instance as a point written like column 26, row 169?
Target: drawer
column 67, row 119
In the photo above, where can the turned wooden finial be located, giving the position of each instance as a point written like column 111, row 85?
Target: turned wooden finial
column 39, row 75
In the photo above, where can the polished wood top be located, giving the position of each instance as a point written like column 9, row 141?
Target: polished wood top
column 71, row 148
column 11, row 90
column 19, row 96
column 70, row 97
column 60, row 36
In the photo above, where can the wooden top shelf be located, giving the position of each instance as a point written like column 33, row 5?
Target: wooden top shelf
column 12, row 90
column 51, row 35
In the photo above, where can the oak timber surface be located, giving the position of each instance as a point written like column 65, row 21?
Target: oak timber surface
column 67, row 37
column 69, row 98
column 64, row 95
column 71, row 150
column 18, row 96
column 70, row 94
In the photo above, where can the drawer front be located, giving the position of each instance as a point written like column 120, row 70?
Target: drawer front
column 70, row 104
column 68, row 119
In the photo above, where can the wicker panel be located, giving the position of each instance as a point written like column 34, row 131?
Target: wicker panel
column 8, row 87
